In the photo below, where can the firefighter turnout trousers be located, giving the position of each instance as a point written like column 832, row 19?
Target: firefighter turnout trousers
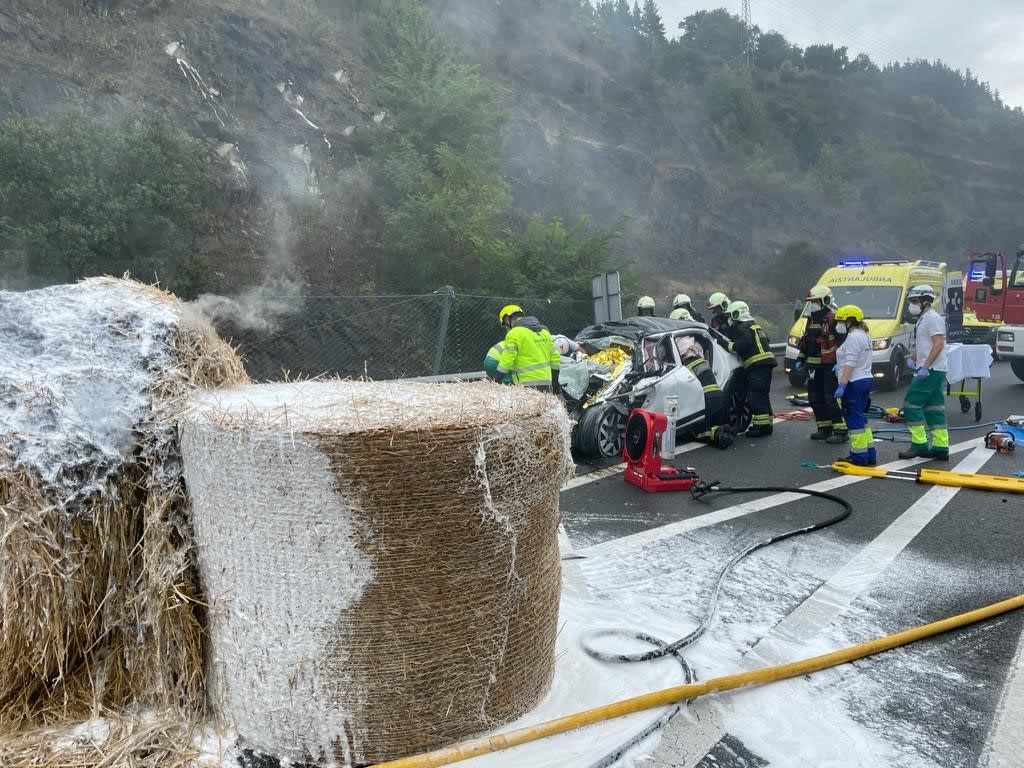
column 821, row 392
column 759, row 385
column 715, row 411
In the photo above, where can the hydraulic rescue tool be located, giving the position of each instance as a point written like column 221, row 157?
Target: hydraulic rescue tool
column 937, row 477
column 642, row 452
column 998, row 440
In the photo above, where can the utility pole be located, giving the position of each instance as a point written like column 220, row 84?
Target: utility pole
column 749, row 27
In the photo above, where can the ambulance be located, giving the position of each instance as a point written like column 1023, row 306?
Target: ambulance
column 879, row 288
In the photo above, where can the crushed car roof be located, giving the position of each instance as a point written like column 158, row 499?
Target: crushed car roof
column 635, row 328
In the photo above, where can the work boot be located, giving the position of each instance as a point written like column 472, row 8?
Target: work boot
column 823, row 433
column 939, row 454
column 838, row 437
column 758, row 430
column 724, row 437
column 861, row 459
column 916, row 451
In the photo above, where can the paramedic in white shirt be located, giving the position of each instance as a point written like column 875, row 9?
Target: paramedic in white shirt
column 925, row 403
column 853, row 361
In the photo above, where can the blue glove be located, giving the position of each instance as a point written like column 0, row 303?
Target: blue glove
column 798, row 366
column 835, row 370
column 911, row 364
column 840, row 391
column 922, row 372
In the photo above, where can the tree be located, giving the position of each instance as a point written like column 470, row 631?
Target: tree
column 717, row 32
column 826, row 58
column 651, row 25
column 773, row 50
column 83, row 198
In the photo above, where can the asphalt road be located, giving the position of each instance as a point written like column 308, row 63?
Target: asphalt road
column 909, row 554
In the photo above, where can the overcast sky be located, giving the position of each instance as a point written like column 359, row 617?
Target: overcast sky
column 986, row 36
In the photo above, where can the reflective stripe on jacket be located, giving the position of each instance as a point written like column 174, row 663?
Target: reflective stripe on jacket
column 819, row 343
column 751, row 344
column 529, row 353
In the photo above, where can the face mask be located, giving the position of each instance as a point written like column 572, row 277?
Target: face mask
column 841, row 329
column 915, row 309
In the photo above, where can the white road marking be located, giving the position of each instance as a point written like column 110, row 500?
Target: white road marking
column 1004, row 746
column 822, row 607
column 643, row 538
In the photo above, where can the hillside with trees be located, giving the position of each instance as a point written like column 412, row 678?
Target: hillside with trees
column 355, row 147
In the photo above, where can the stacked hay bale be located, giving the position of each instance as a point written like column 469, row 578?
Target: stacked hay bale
column 381, row 560
column 98, row 588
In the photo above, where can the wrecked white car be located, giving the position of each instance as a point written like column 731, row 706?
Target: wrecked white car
column 637, row 363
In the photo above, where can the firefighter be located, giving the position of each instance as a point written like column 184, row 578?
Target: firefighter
column 924, row 406
column 528, row 354
column 718, row 304
column 817, row 354
column 682, row 301
column 645, row 306
column 854, row 391
column 680, row 313
column 750, row 343
column 716, row 430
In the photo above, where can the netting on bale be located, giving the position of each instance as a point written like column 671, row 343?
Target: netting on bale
column 98, row 588
column 381, row 560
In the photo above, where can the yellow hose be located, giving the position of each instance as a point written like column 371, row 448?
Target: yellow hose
column 483, row 746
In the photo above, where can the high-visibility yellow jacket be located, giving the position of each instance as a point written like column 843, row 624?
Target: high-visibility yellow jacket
column 491, row 363
column 529, row 353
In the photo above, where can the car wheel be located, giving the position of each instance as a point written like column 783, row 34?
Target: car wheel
column 1018, row 368
column 740, row 415
column 898, row 376
column 600, row 431
column 797, row 378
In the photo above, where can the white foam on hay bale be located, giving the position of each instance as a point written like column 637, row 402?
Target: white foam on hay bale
column 381, row 560
column 97, row 586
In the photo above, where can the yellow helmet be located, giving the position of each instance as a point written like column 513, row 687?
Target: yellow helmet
column 680, row 313
column 645, row 302
column 509, row 309
column 681, row 300
column 848, row 312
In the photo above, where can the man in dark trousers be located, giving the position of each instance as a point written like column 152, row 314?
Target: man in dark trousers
column 817, row 355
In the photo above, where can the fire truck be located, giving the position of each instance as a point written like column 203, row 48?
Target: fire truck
column 995, row 294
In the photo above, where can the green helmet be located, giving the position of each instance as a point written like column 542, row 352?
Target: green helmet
column 719, row 300
column 645, row 302
column 681, row 300
column 738, row 309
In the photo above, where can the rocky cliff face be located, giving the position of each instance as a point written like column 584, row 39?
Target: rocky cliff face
column 284, row 98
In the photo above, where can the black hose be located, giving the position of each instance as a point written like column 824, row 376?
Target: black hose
column 662, row 649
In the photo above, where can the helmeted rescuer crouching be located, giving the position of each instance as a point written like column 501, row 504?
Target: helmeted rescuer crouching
column 853, row 359
column 528, row 355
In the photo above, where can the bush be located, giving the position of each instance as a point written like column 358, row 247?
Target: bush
column 83, row 198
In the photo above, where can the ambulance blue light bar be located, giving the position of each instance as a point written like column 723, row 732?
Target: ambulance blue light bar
column 854, row 263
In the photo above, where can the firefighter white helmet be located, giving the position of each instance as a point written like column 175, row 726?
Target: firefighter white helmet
column 921, row 292
column 680, row 313
column 719, row 300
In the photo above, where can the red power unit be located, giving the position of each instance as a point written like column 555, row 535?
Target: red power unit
column 642, row 453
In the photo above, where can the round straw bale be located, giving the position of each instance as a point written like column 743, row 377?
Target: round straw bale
column 380, row 559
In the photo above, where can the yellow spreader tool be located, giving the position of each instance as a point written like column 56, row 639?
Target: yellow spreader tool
column 998, row 483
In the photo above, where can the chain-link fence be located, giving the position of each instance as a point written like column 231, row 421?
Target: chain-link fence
column 387, row 337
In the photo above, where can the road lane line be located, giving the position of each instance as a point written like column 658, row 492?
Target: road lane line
column 643, row 538
column 1004, row 746
column 822, row 607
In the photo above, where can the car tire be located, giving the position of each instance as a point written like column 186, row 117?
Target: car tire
column 897, row 373
column 797, row 378
column 600, row 432
column 1018, row 368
